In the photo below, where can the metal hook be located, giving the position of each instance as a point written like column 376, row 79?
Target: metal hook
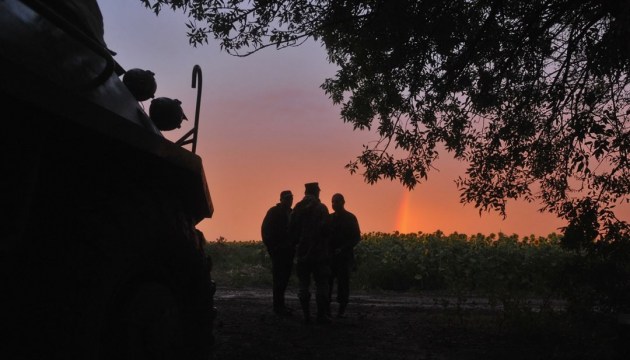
column 196, row 83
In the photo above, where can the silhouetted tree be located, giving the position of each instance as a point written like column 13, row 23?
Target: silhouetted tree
column 533, row 95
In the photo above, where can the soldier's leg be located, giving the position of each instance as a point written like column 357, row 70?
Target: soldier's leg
column 276, row 272
column 287, row 269
column 343, row 286
column 304, row 280
column 331, row 283
column 284, row 267
column 322, row 277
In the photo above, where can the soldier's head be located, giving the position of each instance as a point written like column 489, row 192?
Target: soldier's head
column 286, row 198
column 312, row 189
column 338, row 202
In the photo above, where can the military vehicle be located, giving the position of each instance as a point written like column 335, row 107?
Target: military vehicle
column 99, row 258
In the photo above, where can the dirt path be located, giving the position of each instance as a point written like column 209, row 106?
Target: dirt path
column 380, row 327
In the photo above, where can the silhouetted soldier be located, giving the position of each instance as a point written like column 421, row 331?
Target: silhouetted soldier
column 344, row 236
column 309, row 231
column 275, row 236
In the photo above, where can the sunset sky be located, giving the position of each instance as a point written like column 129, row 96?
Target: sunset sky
column 267, row 126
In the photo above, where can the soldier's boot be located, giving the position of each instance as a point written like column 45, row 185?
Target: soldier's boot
column 279, row 307
column 323, row 311
column 306, row 311
column 305, row 299
column 342, row 310
column 322, row 317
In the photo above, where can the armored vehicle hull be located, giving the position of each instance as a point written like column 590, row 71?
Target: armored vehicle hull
column 99, row 256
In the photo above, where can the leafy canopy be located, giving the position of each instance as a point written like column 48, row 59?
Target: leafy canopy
column 532, row 95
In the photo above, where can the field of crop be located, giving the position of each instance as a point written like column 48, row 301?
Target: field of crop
column 530, row 286
column 508, row 270
column 492, row 265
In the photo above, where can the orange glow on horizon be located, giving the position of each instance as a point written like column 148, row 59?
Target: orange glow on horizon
column 402, row 219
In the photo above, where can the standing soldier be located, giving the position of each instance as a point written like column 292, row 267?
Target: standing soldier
column 308, row 230
column 275, row 236
column 345, row 235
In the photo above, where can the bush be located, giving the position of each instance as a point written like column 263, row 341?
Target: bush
column 239, row 263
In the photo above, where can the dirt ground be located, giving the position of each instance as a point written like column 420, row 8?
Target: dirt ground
column 381, row 326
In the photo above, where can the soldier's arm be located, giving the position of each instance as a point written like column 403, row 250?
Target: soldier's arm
column 294, row 227
column 325, row 221
column 266, row 230
column 355, row 231
column 351, row 233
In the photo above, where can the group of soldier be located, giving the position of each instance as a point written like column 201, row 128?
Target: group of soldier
column 322, row 245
